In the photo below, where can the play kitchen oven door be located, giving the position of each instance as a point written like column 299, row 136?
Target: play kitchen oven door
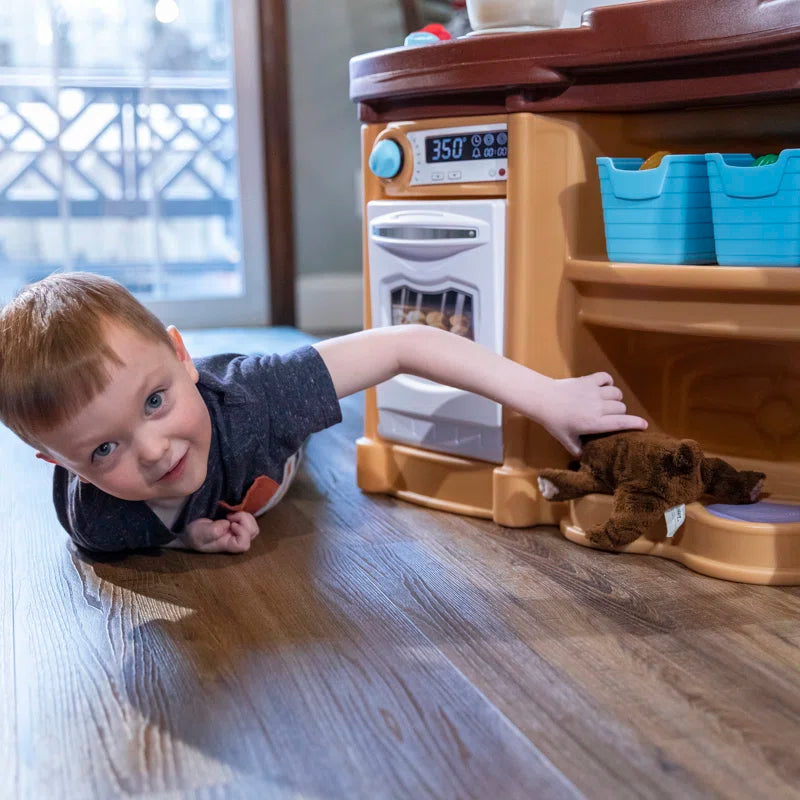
column 439, row 263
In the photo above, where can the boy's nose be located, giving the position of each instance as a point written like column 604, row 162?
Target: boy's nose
column 152, row 448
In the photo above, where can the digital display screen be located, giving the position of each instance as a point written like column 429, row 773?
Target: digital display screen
column 466, row 146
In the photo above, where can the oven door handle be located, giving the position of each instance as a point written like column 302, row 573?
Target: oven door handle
column 427, row 236
column 426, row 243
column 424, row 250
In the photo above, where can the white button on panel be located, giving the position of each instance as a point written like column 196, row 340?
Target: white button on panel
column 437, row 176
column 454, row 175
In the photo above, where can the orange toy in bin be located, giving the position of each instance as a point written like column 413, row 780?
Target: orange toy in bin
column 489, row 191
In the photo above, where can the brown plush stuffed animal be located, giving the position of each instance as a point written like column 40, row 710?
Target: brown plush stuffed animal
column 647, row 473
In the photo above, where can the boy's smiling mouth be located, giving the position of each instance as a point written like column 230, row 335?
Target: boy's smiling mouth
column 175, row 471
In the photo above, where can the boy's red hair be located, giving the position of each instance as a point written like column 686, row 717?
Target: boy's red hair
column 54, row 357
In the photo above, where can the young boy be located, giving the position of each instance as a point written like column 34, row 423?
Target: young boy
column 151, row 449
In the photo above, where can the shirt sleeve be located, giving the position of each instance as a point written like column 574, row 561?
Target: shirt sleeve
column 100, row 523
column 294, row 390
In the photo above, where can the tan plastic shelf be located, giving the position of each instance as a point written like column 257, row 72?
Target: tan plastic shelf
column 732, row 302
column 736, row 551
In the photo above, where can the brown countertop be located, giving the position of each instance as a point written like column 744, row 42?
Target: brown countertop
column 653, row 54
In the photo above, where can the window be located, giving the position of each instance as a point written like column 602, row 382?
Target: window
column 120, row 152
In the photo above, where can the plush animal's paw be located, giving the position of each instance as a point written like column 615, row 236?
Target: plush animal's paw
column 548, row 489
column 758, row 486
column 598, row 535
column 611, row 537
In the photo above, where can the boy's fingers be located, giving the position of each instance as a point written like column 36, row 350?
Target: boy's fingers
column 231, row 541
column 611, row 393
column 211, row 536
column 614, row 407
column 603, row 379
column 620, row 422
column 220, row 527
column 239, row 541
column 247, row 521
column 242, row 531
column 242, row 517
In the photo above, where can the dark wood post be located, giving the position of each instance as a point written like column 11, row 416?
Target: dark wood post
column 412, row 18
column 278, row 159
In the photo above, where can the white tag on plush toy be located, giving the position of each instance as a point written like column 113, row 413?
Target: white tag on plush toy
column 675, row 517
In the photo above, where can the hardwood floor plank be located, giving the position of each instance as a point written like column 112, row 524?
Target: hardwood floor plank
column 352, row 700
column 602, row 754
column 589, row 655
column 75, row 635
column 11, row 507
column 476, row 630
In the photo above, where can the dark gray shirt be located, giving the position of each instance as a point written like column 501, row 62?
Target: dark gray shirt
column 262, row 409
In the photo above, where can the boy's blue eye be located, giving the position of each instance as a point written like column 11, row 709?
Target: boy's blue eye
column 155, row 401
column 104, row 450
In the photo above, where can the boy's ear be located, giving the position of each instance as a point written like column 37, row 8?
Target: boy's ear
column 182, row 352
column 53, row 461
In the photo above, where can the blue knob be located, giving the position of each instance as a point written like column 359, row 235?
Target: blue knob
column 386, row 159
column 420, row 39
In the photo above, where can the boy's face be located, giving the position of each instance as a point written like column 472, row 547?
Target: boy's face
column 147, row 436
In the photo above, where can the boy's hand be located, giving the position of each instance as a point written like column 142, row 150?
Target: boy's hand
column 591, row 404
column 231, row 535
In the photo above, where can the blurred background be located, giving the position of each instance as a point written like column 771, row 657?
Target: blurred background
column 132, row 143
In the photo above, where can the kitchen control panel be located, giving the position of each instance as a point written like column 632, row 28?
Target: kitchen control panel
column 459, row 155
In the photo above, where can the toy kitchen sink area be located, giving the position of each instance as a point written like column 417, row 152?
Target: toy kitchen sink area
column 622, row 196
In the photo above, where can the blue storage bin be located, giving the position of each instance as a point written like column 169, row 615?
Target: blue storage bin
column 657, row 216
column 756, row 210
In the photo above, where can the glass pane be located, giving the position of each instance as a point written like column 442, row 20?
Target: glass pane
column 449, row 310
column 118, row 149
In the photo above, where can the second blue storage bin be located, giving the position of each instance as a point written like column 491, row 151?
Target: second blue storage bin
column 756, row 210
column 660, row 215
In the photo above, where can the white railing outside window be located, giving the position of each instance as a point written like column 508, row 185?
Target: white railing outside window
column 121, row 152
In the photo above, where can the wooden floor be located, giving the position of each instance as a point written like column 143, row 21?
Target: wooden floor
column 368, row 648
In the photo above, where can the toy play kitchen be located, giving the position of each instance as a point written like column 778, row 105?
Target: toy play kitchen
column 623, row 196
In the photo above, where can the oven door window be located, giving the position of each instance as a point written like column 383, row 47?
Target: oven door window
column 449, row 310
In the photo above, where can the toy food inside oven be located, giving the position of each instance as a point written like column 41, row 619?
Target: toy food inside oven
column 447, row 310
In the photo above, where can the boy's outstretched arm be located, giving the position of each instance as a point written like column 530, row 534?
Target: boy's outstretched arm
column 567, row 408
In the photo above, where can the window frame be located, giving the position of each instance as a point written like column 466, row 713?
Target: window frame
column 252, row 307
